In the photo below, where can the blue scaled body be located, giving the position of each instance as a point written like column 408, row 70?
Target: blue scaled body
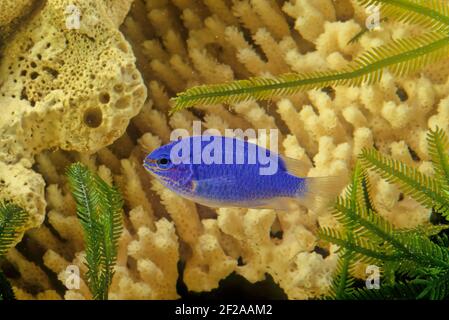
column 219, row 171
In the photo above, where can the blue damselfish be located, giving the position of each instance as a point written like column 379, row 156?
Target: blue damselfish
column 219, row 171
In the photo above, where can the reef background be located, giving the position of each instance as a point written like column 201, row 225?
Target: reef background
column 100, row 95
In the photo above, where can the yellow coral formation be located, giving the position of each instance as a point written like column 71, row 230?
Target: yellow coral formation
column 179, row 44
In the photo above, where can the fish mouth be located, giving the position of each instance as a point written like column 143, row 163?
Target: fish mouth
column 153, row 170
column 150, row 165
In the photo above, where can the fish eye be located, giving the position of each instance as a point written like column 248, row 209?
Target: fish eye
column 163, row 162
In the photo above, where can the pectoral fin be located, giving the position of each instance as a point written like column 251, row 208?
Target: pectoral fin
column 212, row 183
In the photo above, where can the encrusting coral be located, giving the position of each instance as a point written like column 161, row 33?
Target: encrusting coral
column 178, row 44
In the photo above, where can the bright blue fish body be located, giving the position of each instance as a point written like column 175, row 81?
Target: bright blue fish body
column 228, row 172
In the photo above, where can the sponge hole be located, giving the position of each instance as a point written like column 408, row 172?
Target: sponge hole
column 122, row 103
column 104, row 97
column 118, row 88
column 93, row 117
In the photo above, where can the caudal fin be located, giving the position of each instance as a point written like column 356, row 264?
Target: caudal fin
column 320, row 192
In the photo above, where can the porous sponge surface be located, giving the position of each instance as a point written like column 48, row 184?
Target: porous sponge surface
column 12, row 9
column 89, row 74
column 181, row 43
column 74, row 89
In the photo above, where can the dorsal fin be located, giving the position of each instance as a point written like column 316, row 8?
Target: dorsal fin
column 296, row 167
